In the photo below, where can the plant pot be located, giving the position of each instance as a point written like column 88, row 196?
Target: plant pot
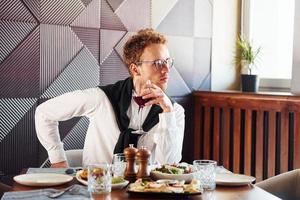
column 249, row 83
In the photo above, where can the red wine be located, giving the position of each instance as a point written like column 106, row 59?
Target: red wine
column 140, row 101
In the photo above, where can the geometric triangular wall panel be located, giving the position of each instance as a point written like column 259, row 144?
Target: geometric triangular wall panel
column 184, row 60
column 60, row 12
column 172, row 25
column 11, row 34
column 202, row 62
column 11, row 112
column 66, row 126
column 160, row 10
column 109, row 39
column 86, row 2
column 81, row 73
column 90, row 37
column 109, row 20
column 56, row 55
column 90, row 17
column 15, row 10
column 176, row 85
column 121, row 43
column 130, row 9
column 203, row 19
column 75, row 138
column 20, row 145
column 115, row 4
column 20, row 71
column 34, row 7
column 206, row 83
column 112, row 69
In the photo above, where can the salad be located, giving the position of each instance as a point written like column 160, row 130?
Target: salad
column 174, row 169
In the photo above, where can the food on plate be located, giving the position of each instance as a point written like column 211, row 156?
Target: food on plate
column 165, row 186
column 193, row 186
column 98, row 172
column 117, row 180
column 83, row 174
column 174, row 169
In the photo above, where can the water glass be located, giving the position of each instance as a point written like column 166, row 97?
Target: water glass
column 99, row 178
column 119, row 164
column 206, row 173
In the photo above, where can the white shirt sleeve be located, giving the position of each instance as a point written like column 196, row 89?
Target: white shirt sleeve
column 61, row 108
column 169, row 137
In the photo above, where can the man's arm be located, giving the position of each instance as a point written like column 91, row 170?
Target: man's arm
column 63, row 164
column 169, row 136
column 61, row 108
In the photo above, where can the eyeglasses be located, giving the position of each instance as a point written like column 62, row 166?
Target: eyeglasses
column 159, row 63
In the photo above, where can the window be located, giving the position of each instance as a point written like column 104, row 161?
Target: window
column 270, row 24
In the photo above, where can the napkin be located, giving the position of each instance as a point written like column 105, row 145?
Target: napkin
column 52, row 170
column 46, row 170
column 78, row 192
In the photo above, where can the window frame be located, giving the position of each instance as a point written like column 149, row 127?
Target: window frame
column 266, row 84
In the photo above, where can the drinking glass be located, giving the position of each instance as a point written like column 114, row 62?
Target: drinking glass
column 119, row 165
column 141, row 102
column 205, row 172
column 99, row 178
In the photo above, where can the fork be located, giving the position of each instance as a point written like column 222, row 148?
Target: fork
column 59, row 193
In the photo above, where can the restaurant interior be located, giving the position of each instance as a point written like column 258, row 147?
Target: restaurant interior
column 244, row 116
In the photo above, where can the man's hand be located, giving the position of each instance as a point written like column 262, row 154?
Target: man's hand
column 63, row 164
column 156, row 96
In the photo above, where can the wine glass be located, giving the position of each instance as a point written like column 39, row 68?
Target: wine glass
column 141, row 102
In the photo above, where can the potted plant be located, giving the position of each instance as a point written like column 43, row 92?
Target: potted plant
column 246, row 58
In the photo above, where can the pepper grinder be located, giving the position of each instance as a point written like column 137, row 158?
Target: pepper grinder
column 130, row 173
column 142, row 157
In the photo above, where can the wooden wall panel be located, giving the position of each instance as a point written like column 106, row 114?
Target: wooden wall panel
column 207, row 141
column 236, row 140
column 226, row 139
column 248, row 142
column 271, row 144
column 216, row 136
column 259, row 146
column 257, row 138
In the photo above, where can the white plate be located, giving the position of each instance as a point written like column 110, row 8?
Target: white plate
column 233, row 179
column 113, row 186
column 42, row 179
column 156, row 175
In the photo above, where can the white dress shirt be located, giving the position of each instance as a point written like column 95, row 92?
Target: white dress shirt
column 164, row 140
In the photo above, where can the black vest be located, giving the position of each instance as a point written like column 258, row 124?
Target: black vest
column 120, row 95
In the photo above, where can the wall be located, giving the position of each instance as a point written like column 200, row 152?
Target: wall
column 226, row 27
column 52, row 47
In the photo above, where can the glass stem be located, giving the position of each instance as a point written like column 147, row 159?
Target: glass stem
column 140, row 116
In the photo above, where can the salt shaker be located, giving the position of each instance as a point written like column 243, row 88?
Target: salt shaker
column 130, row 173
column 142, row 157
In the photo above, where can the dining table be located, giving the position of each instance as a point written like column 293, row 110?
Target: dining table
column 246, row 192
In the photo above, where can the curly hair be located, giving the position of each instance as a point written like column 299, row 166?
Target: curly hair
column 134, row 47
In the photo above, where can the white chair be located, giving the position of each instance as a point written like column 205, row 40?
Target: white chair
column 285, row 186
column 74, row 157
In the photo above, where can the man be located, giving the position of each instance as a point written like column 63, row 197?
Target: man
column 113, row 114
